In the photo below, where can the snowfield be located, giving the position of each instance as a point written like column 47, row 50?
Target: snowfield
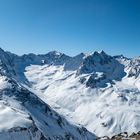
column 104, row 111
column 23, row 115
column 69, row 98
column 10, row 117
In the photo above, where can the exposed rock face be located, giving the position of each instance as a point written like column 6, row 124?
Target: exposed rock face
column 134, row 68
column 97, row 80
column 122, row 136
column 102, row 69
column 23, row 134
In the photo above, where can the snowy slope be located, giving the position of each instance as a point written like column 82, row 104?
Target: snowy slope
column 24, row 116
column 98, row 91
column 104, row 111
column 100, row 94
column 21, row 109
column 15, row 123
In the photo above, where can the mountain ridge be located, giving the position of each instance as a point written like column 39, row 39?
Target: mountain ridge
column 45, row 123
column 95, row 90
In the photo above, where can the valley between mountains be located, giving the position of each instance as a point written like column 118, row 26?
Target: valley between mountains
column 57, row 97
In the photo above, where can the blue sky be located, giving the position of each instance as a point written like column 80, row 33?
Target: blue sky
column 70, row 26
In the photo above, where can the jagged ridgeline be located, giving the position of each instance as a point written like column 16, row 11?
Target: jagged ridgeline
column 55, row 96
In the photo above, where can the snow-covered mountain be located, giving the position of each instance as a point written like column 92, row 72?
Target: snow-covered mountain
column 95, row 91
column 24, row 116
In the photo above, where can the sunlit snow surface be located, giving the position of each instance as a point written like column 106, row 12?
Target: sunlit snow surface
column 97, row 91
column 104, row 111
column 23, row 115
column 10, row 117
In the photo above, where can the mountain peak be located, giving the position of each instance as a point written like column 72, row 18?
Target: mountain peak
column 54, row 53
column 103, row 52
column 1, row 49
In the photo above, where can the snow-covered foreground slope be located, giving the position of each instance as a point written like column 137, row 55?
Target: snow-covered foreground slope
column 15, row 123
column 23, row 115
column 97, row 91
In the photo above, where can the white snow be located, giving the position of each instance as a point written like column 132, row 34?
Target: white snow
column 97, row 91
column 104, row 111
column 11, row 117
column 4, row 83
column 22, row 114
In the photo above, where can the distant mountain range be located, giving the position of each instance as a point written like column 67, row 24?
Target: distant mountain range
column 58, row 97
